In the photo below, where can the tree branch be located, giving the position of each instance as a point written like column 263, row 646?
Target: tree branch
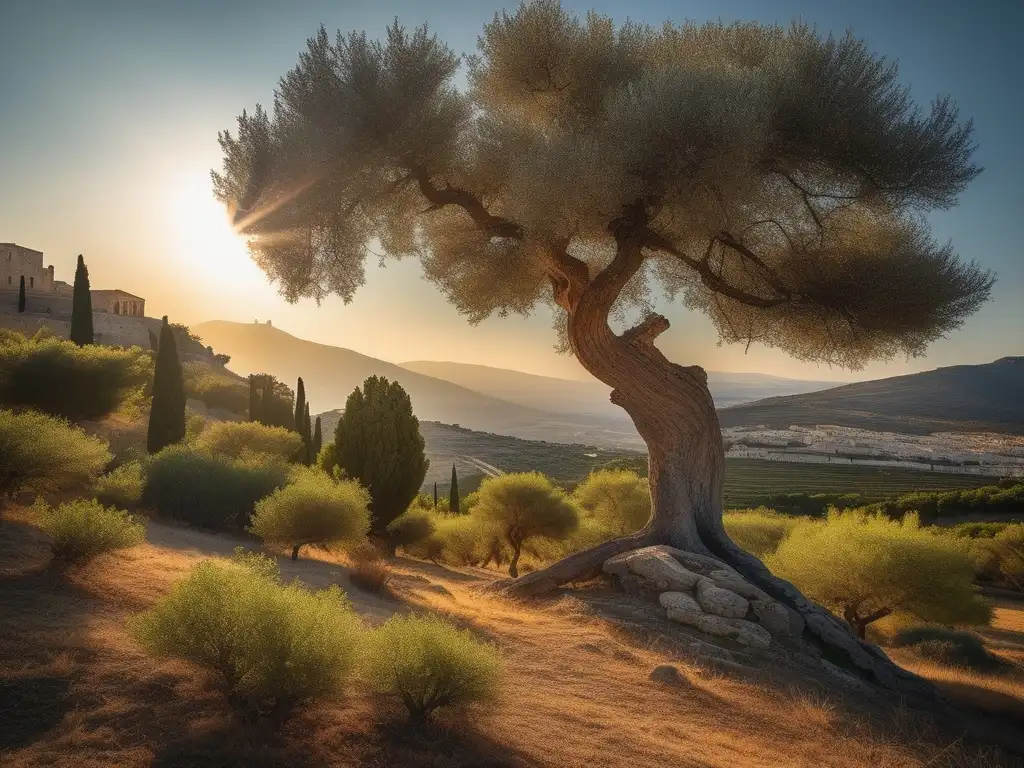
column 439, row 197
column 647, row 330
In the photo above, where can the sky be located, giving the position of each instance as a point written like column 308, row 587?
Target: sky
column 109, row 113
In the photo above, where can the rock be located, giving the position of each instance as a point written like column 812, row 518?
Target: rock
column 669, row 675
column 656, row 565
column 753, row 635
column 637, row 586
column 717, row 626
column 731, row 580
column 699, row 564
column 710, row 649
column 774, row 617
column 843, row 677
column 721, row 602
column 681, row 608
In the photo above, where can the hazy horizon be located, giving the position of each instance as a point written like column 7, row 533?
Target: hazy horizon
column 112, row 112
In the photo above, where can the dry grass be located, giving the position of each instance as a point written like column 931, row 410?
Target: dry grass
column 373, row 576
column 76, row 692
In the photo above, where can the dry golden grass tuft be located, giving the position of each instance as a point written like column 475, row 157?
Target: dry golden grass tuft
column 77, row 692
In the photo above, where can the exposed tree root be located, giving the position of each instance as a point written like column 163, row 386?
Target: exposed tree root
column 834, row 637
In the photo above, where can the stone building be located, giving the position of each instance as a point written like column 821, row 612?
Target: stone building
column 46, row 295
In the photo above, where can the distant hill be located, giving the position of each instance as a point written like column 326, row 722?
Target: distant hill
column 987, row 397
column 331, row 373
column 591, row 397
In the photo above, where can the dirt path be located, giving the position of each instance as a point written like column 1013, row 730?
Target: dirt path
column 488, row 469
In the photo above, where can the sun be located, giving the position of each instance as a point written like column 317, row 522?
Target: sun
column 205, row 238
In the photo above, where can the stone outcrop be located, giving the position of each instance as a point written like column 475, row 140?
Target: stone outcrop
column 703, row 593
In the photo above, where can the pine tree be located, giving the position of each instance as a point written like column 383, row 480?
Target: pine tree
column 21, row 295
column 453, row 493
column 378, row 442
column 300, row 407
column 318, row 438
column 81, row 307
column 167, row 414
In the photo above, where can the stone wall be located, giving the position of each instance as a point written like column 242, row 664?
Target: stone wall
column 115, row 330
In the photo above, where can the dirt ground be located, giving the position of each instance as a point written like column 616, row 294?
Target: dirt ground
column 75, row 691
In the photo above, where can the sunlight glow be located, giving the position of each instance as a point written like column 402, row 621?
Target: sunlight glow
column 205, row 239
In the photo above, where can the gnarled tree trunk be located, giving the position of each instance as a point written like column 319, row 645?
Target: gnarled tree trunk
column 674, row 413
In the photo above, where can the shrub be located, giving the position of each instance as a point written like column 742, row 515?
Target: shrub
column 465, row 540
column 868, row 566
column 523, row 506
column 210, row 491
column 215, row 387
column 372, row 575
column 1001, row 557
column 410, row 528
column 41, row 453
column 617, row 498
column 951, row 647
column 63, row 379
column 121, row 487
column 195, row 423
column 377, row 441
column 590, row 533
column 759, row 531
column 429, row 664
column 235, row 439
column 271, row 646
column 313, row 509
column 80, row 530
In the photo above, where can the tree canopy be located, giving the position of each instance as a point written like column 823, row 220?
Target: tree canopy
column 772, row 177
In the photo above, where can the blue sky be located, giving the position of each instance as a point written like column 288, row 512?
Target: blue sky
column 109, row 111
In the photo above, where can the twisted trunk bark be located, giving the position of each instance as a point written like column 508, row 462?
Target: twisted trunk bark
column 674, row 413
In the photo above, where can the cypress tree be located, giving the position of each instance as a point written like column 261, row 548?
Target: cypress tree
column 300, row 407
column 318, row 438
column 307, row 436
column 21, row 295
column 453, row 493
column 435, row 495
column 167, row 414
column 378, row 442
column 81, row 307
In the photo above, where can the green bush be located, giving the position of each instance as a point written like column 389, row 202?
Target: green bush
column 121, row 487
column 620, row 500
column 975, row 530
column 41, row 453
column 215, row 387
column 58, row 377
column 759, row 531
column 209, row 491
column 868, row 567
column 810, row 504
column 237, row 439
column 430, row 664
column 1001, row 499
column 271, row 646
column 950, row 647
column 410, row 528
column 313, row 509
column 523, row 506
column 80, row 530
column 1001, row 558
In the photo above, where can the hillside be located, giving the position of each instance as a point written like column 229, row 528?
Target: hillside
column 958, row 398
column 331, row 373
column 591, row 397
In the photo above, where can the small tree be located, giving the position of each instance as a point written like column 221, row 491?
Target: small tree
column 868, row 566
column 167, row 413
column 318, row 440
column 522, row 506
column 299, row 416
column 81, row 306
column 378, row 442
column 313, row 510
column 21, row 295
column 618, row 499
column 453, row 493
column 41, row 453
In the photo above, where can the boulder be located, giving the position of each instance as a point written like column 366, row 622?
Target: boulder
column 774, row 617
column 681, row 608
column 720, row 602
column 731, row 580
column 667, row 674
column 743, row 632
column 754, row 635
column 716, row 625
column 656, row 565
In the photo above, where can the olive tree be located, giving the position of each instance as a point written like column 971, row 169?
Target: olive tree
column 771, row 177
column 523, row 506
column 617, row 498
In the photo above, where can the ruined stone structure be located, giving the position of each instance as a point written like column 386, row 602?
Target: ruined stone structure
column 17, row 261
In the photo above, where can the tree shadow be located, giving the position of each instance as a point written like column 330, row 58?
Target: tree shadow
column 31, row 705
